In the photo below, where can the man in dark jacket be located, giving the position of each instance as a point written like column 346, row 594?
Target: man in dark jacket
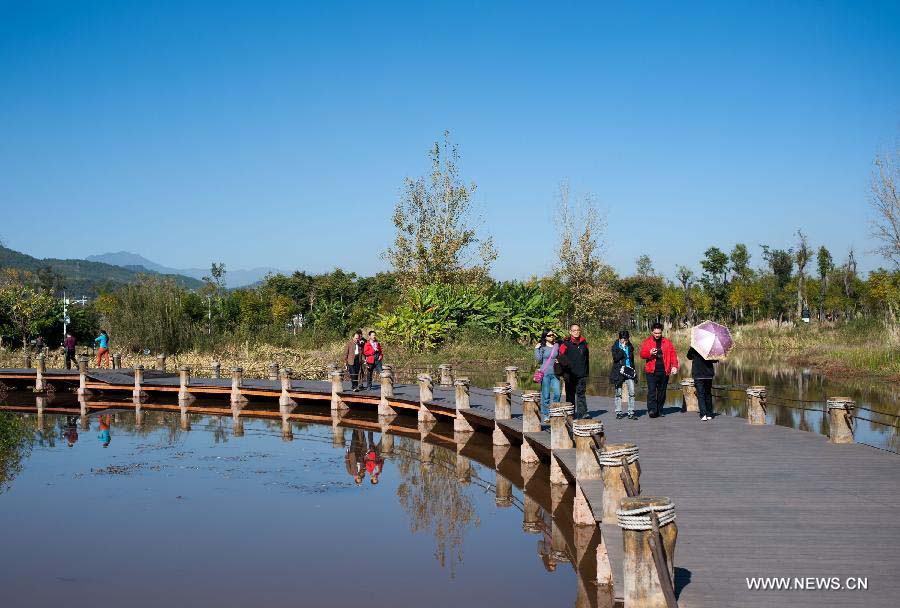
column 576, row 357
column 353, row 357
column 69, row 345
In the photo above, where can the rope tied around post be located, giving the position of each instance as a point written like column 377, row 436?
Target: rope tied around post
column 615, row 457
column 562, row 410
column 587, row 428
column 462, row 382
column 756, row 391
column 502, row 389
column 639, row 519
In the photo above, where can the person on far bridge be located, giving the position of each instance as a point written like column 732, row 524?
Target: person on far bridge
column 102, row 341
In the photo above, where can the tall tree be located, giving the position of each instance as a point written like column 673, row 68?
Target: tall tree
column 740, row 262
column 645, row 266
column 437, row 240
column 685, row 278
column 715, row 279
column 781, row 265
column 801, row 256
column 885, row 203
column 825, row 265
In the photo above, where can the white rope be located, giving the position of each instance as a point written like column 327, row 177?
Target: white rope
column 841, row 404
column 756, row 391
column 424, row 378
column 503, row 389
column 687, row 382
column 531, row 396
column 562, row 410
column 461, row 382
column 581, row 429
column 639, row 519
column 613, row 458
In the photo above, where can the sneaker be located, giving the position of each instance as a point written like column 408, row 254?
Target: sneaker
column 703, row 418
column 619, row 415
column 546, row 419
column 632, row 416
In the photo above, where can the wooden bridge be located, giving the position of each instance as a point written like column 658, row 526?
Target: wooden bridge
column 751, row 501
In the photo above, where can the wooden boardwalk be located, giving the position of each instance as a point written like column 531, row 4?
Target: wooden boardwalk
column 751, row 501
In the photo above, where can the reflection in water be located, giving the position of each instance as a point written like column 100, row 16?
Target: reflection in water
column 105, row 437
column 16, row 439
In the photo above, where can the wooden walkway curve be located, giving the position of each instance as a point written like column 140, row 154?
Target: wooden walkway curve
column 751, row 501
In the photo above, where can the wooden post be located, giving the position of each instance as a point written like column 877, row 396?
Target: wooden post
column 184, row 393
column 531, row 423
column 586, row 468
column 237, row 382
column 649, row 562
column 117, row 361
column 446, row 374
column 337, row 385
column 560, row 415
column 689, row 393
column 502, row 411
column 40, row 384
column 285, row 400
column 512, row 377
column 617, row 474
column 503, row 492
column 27, row 359
column 387, row 393
column 82, row 376
column 460, row 423
column 840, row 419
column 138, row 393
column 216, row 370
column 161, row 362
column 426, row 395
column 756, row 405
column 273, row 371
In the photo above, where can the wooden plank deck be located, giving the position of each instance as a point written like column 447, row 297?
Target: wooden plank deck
column 750, row 501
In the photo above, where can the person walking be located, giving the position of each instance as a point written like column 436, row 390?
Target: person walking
column 661, row 362
column 703, row 371
column 622, row 372
column 69, row 346
column 102, row 341
column 374, row 356
column 353, row 356
column 577, row 367
column 545, row 354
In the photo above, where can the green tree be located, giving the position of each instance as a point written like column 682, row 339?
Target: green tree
column 27, row 311
column 781, row 266
column 825, row 265
column 801, row 257
column 715, row 279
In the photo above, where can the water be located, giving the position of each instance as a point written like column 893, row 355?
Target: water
column 169, row 517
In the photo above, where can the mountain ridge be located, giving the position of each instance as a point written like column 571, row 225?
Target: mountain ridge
column 233, row 278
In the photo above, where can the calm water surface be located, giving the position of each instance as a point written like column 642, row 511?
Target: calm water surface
column 203, row 518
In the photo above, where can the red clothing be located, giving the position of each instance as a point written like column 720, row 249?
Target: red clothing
column 670, row 357
column 373, row 353
column 373, row 463
column 69, row 343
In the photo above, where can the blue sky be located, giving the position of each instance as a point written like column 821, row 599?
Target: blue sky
column 266, row 134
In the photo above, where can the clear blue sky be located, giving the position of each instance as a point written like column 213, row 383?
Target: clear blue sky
column 265, row 133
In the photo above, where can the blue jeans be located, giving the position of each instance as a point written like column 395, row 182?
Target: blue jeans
column 550, row 393
column 630, row 384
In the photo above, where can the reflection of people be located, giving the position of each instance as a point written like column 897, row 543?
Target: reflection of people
column 703, row 371
column 355, row 456
column 662, row 361
column 545, row 551
column 102, row 341
column 104, row 435
column 374, row 460
column 71, row 433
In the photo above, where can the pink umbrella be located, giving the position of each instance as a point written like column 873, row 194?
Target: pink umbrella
column 711, row 340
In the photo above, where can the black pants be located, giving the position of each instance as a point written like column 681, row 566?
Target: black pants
column 374, row 367
column 656, row 393
column 70, row 358
column 704, row 395
column 353, row 370
column 575, row 393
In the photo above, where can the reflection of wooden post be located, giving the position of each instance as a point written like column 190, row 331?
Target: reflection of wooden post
column 138, row 413
column 531, row 423
column 689, row 392
column 463, row 463
column 531, row 516
column 285, row 400
column 82, row 376
column 503, row 492
column 40, row 384
column 756, row 405
column 274, row 374
column 426, row 395
column 337, row 431
column 387, row 438
column 337, row 385
column 512, row 377
column 560, row 414
column 138, row 393
column 502, row 411
column 612, row 472
column 237, row 424
column 161, row 362
column 460, row 423
column 185, row 418
column 642, row 584
column 387, row 393
column 426, row 450
column 216, row 370
column 840, row 419
column 446, row 374
column 586, row 468
column 185, row 381
column 41, row 403
column 237, row 382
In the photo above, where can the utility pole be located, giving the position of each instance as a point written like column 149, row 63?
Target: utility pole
column 66, row 319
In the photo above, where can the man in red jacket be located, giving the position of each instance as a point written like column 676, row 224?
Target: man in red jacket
column 661, row 361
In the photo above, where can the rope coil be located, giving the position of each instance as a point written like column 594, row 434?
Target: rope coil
column 613, row 458
column 423, row 378
column 531, row 396
column 461, row 382
column 639, row 519
column 687, row 382
column 756, row 391
column 581, row 429
column 562, row 410
column 503, row 389
column 841, row 404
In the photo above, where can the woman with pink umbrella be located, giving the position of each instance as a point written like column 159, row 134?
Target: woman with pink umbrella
column 709, row 343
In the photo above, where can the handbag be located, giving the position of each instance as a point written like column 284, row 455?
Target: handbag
column 539, row 374
column 628, row 372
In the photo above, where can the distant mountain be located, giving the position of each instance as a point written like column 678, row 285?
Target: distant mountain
column 233, row 278
column 84, row 277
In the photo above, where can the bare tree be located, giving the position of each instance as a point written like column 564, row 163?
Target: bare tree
column 885, row 202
